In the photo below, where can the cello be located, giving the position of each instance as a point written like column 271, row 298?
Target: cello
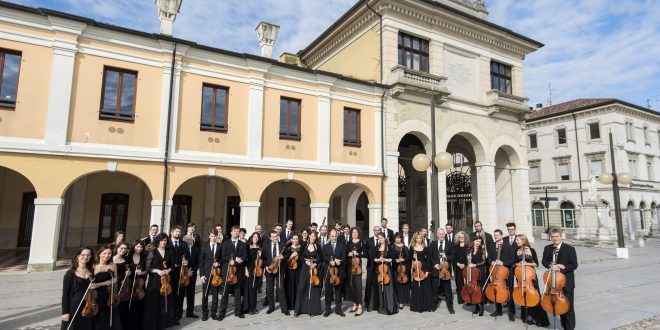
column 553, row 300
column 496, row 290
column 525, row 294
column 471, row 292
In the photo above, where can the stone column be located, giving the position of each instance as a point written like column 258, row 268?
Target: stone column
column 249, row 215
column 521, row 202
column 59, row 99
column 442, row 198
column 157, row 211
column 376, row 213
column 392, row 187
column 487, row 195
column 318, row 212
column 45, row 234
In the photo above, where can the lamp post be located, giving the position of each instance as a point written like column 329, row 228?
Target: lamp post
column 442, row 161
column 615, row 179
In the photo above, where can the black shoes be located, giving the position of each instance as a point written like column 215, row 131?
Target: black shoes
column 205, row 317
column 451, row 310
column 192, row 315
column 512, row 318
column 296, row 314
column 326, row 314
column 254, row 312
column 270, row 310
column 496, row 313
column 287, row 313
column 240, row 316
column 340, row 313
column 221, row 317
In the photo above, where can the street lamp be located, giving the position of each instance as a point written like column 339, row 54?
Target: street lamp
column 422, row 162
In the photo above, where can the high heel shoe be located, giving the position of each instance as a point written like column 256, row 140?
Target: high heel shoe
column 359, row 311
column 352, row 310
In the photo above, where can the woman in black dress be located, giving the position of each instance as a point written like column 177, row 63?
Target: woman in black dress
column 137, row 263
column 356, row 251
column 76, row 281
column 421, row 295
column 105, row 281
column 461, row 245
column 399, row 254
column 532, row 315
column 158, row 310
column 123, row 276
column 477, row 256
column 253, row 284
column 304, row 237
column 308, row 297
column 383, row 298
column 294, row 260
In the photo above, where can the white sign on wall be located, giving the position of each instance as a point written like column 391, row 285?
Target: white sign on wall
column 462, row 71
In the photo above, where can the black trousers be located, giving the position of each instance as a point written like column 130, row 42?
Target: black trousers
column 568, row 319
column 442, row 287
column 367, row 288
column 330, row 292
column 213, row 292
column 510, row 305
column 273, row 283
column 189, row 294
column 177, row 292
column 234, row 289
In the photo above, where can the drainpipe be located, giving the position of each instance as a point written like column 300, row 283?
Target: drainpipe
column 167, row 140
column 577, row 148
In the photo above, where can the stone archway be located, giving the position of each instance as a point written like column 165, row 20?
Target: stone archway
column 349, row 204
column 285, row 199
column 17, row 195
column 413, row 192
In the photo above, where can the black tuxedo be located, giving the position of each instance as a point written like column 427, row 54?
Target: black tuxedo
column 403, row 240
column 149, row 240
column 206, row 259
column 230, row 251
column 342, row 239
column 567, row 257
column 435, row 249
column 283, row 237
column 275, row 281
column 197, row 240
column 179, row 251
column 450, row 238
column 389, row 234
column 488, row 237
column 193, row 265
column 339, row 253
column 371, row 251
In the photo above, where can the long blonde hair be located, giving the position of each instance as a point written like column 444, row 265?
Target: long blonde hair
column 414, row 239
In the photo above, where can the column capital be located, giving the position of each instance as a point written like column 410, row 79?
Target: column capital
column 319, row 205
column 48, row 201
column 249, row 204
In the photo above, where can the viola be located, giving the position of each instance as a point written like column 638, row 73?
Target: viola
column 356, row 266
column 525, row 294
column 471, row 292
column 553, row 300
column 383, row 273
column 314, row 279
column 216, row 275
column 401, row 271
column 293, row 262
column 497, row 290
column 418, row 273
column 184, row 280
column 259, row 265
column 138, row 287
column 230, row 277
column 165, row 287
column 91, row 308
column 333, row 274
column 274, row 267
column 444, row 273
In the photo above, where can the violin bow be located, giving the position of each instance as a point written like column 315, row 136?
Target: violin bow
column 133, row 286
column 80, row 304
column 112, row 294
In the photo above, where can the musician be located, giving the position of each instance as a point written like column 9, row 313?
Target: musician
column 421, row 295
column 425, row 236
column 461, row 245
column 294, row 256
column 478, row 257
column 123, row 271
column 252, row 285
column 221, row 234
column 304, row 237
column 119, row 238
column 566, row 261
column 441, row 250
column 76, row 281
column 274, row 253
column 286, row 233
column 181, row 254
column 449, row 229
column 308, row 299
column 506, row 259
column 479, row 231
column 148, row 240
column 196, row 239
column 334, row 255
column 356, row 251
column 400, row 257
column 278, row 229
column 372, row 245
column 345, row 235
column 105, row 280
column 314, row 226
column 234, row 253
column 193, row 266
column 210, row 257
column 405, row 235
column 388, row 233
column 383, row 297
column 532, row 315
column 510, row 240
column 158, row 309
column 323, row 237
column 242, row 232
column 259, row 229
column 137, row 262
column 338, row 229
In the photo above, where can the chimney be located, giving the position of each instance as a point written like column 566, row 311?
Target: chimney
column 267, row 34
column 167, row 10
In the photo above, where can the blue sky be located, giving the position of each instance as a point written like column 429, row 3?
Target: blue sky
column 594, row 48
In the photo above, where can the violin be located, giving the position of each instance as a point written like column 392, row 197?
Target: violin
column 293, row 262
column 444, row 273
column 91, row 308
column 496, row 290
column 231, row 278
column 401, row 271
column 383, row 272
column 124, row 294
column 333, row 273
column 274, row 267
column 418, row 273
column 525, row 294
column 138, row 286
column 184, row 280
column 314, row 279
column 259, row 265
column 356, row 267
column 471, row 292
column 165, row 287
column 216, row 275
column 553, row 300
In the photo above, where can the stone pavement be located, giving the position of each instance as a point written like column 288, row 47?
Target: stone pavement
column 610, row 293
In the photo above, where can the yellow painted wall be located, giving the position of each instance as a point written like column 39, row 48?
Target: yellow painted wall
column 359, row 59
column 363, row 155
column 28, row 119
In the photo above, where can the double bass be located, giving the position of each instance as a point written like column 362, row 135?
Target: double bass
column 525, row 294
column 471, row 292
column 496, row 290
column 553, row 300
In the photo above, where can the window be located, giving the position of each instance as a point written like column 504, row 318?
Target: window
column 647, row 138
column 532, row 141
column 500, row 77
column 290, row 209
column 630, row 131
column 597, row 167
column 118, row 99
column 10, row 63
column 114, row 211
column 214, row 108
column 564, row 174
column 289, row 118
column 537, row 214
column 413, row 52
column 594, row 131
column 351, row 127
column 561, row 136
column 632, row 167
column 649, row 170
column 180, row 214
column 534, row 173
column 567, row 214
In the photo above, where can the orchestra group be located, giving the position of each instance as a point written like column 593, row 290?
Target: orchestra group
column 143, row 285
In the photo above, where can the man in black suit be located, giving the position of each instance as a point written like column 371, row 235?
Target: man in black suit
column 506, row 259
column 274, row 250
column 425, row 236
column 406, row 237
column 388, row 233
column 561, row 257
column 441, row 250
column 260, row 230
column 189, row 291
column 334, row 255
column 479, row 231
column 210, row 257
column 449, row 229
column 372, row 250
column 510, row 241
column 148, row 241
column 285, row 236
column 234, row 253
column 196, row 240
column 180, row 251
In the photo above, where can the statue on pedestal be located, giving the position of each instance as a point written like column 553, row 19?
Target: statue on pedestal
column 593, row 187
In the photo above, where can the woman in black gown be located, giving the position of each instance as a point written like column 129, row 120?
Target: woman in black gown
column 137, row 263
column 461, row 245
column 399, row 254
column 304, row 237
column 76, row 281
column 253, row 284
column 158, row 310
column 382, row 295
column 294, row 260
column 478, row 255
column 105, row 281
column 123, row 272
column 356, row 251
column 421, row 295
column 308, row 298
column 532, row 315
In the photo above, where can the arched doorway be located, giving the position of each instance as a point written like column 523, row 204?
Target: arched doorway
column 17, row 196
column 349, row 204
column 538, row 215
column 567, row 211
column 459, row 193
column 413, row 205
column 506, row 163
column 642, row 216
column 654, row 217
column 282, row 200
column 206, row 201
column 630, row 216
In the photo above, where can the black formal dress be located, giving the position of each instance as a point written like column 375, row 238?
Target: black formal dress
column 536, row 313
column 106, row 312
column 402, row 291
column 330, row 253
column 123, row 306
column 564, row 255
column 308, row 300
column 383, row 297
column 292, row 276
column 480, row 261
column 370, row 253
column 421, row 294
column 73, row 290
column 231, row 250
column 136, row 307
column 354, row 284
column 252, row 284
column 158, row 310
column 460, row 257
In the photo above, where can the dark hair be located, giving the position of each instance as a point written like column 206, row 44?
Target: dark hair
column 234, row 227
column 218, row 225
column 213, row 231
column 313, row 224
column 136, row 243
column 243, row 230
column 387, row 242
column 119, row 232
column 511, row 224
column 481, row 246
column 477, row 222
column 289, row 220
column 89, row 265
column 449, row 224
column 154, row 225
column 272, row 232
column 258, row 237
column 359, row 231
column 114, row 252
column 498, row 231
column 175, row 228
column 345, row 226
column 397, row 235
column 278, row 225
column 191, row 224
column 161, row 237
column 98, row 254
